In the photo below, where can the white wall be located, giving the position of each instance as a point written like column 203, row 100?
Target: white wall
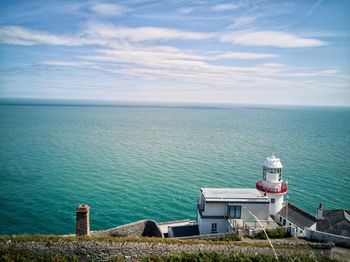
column 277, row 206
column 205, row 225
column 322, row 236
column 221, row 209
column 300, row 232
column 215, row 209
column 261, row 211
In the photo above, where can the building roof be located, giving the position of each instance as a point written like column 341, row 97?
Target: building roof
column 233, row 195
column 335, row 222
column 297, row 216
column 273, row 162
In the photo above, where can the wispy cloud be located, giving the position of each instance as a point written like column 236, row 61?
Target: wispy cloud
column 95, row 34
column 107, row 34
column 242, row 22
column 224, row 7
column 18, row 35
column 106, row 9
column 141, row 34
column 184, row 10
column 313, row 8
column 271, row 38
column 67, row 63
column 168, row 63
column 240, row 56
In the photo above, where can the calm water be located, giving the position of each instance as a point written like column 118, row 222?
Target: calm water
column 130, row 163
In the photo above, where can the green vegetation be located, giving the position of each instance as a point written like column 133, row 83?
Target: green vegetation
column 273, row 233
column 235, row 241
column 55, row 238
column 23, row 257
column 221, row 257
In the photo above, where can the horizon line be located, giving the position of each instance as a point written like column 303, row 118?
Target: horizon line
column 141, row 103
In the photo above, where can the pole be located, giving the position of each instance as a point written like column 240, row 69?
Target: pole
column 287, row 212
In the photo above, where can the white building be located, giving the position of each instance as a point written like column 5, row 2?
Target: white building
column 295, row 219
column 222, row 210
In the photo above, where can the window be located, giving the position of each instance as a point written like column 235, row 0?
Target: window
column 235, row 212
column 214, row 228
column 284, row 221
column 281, row 219
column 264, row 173
column 280, row 177
column 202, row 204
column 272, row 201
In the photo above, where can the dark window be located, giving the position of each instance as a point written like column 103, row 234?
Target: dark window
column 281, row 219
column 264, row 173
column 272, row 201
column 202, row 203
column 214, row 228
column 235, row 212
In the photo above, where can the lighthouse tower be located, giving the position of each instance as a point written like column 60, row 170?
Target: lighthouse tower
column 272, row 183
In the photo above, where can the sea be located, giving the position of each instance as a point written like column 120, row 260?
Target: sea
column 134, row 161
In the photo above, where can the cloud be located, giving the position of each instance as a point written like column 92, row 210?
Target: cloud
column 95, row 34
column 67, row 63
column 184, row 10
column 270, row 38
column 106, row 9
column 241, row 56
column 169, row 63
column 141, row 34
column 224, row 7
column 242, row 22
column 313, row 8
column 23, row 36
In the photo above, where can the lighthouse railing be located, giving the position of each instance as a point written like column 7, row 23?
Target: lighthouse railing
column 270, row 189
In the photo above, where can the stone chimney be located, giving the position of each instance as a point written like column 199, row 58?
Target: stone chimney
column 319, row 214
column 82, row 220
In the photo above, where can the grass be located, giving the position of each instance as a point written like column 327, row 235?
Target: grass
column 234, row 241
column 55, row 238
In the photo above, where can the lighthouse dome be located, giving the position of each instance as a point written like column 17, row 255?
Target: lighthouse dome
column 273, row 162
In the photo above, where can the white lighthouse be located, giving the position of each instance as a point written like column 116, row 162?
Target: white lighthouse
column 272, row 183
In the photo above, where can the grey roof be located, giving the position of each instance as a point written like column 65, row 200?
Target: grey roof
column 233, row 195
column 335, row 222
column 297, row 216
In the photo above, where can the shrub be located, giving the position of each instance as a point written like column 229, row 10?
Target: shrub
column 273, row 233
column 221, row 257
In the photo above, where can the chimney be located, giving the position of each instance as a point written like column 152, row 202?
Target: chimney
column 82, row 220
column 319, row 214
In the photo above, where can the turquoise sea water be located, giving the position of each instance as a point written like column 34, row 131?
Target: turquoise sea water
column 133, row 162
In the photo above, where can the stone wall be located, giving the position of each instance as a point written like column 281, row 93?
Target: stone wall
column 105, row 250
column 326, row 237
column 142, row 228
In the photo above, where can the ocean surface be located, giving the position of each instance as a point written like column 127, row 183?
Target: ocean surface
column 135, row 162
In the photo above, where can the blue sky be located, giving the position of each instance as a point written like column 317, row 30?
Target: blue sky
column 264, row 52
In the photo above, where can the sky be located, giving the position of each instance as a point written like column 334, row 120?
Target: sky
column 251, row 51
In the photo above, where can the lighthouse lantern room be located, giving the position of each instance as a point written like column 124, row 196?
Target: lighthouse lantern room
column 272, row 183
